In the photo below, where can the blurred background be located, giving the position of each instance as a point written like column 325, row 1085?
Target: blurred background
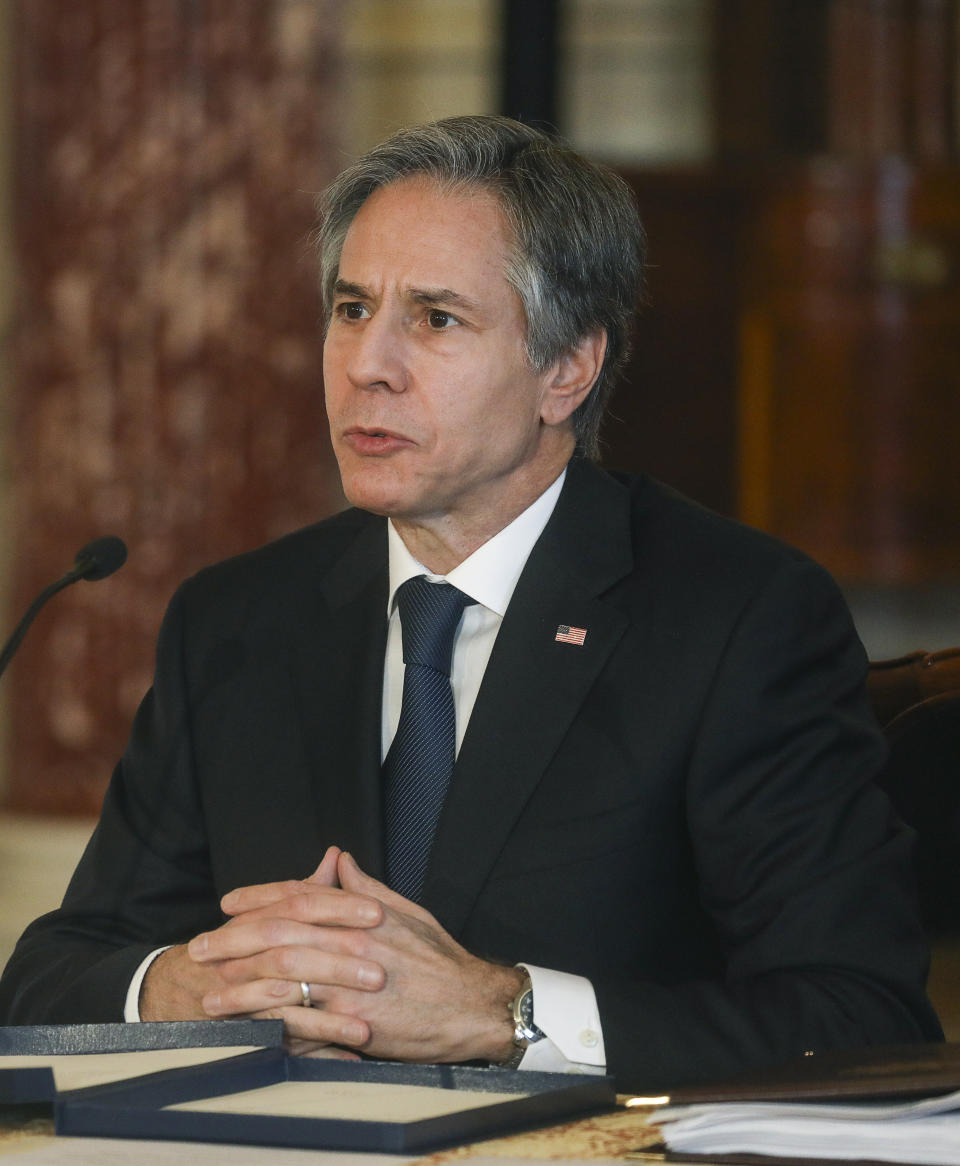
column 797, row 363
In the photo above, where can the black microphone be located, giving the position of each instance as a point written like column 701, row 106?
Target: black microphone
column 95, row 561
column 99, row 559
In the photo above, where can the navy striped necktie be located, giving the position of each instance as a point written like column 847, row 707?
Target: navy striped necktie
column 420, row 761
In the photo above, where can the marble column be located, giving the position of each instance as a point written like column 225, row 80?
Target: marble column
column 165, row 363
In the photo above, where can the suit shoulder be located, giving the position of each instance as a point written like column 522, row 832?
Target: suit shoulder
column 308, row 553
column 689, row 554
column 696, row 575
column 669, row 525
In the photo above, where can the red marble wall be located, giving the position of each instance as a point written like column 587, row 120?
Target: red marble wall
column 166, row 383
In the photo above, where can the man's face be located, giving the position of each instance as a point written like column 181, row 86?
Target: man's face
column 434, row 409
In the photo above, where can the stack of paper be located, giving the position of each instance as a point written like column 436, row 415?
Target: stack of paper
column 924, row 1132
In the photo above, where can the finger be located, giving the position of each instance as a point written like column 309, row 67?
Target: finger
column 306, row 902
column 326, row 873
column 317, row 1026
column 354, row 880
column 324, row 906
column 249, row 997
column 307, row 1048
column 242, row 899
column 250, row 898
column 301, row 963
column 250, row 937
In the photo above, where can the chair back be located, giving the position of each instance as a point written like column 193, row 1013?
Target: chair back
column 917, row 701
column 900, row 683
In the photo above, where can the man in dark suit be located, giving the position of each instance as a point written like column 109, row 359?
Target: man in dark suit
column 660, row 849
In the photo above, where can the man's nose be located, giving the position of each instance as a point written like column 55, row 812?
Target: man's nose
column 377, row 356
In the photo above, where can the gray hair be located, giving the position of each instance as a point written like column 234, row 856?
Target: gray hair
column 578, row 246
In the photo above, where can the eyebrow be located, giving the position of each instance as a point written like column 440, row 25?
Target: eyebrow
column 343, row 288
column 430, row 297
column 442, row 296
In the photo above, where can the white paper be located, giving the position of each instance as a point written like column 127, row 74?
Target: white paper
column 925, row 1131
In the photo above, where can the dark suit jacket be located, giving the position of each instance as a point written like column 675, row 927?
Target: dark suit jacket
column 681, row 809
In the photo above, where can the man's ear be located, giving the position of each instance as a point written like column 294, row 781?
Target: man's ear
column 570, row 380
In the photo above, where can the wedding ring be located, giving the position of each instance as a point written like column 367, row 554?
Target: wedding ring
column 305, row 994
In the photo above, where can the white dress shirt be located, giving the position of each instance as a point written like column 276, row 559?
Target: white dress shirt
column 565, row 1006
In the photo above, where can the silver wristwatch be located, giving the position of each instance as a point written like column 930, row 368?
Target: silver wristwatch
column 525, row 1032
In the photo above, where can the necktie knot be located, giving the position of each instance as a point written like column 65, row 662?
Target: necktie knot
column 429, row 615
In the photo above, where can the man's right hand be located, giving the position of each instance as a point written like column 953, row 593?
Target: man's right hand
column 176, row 983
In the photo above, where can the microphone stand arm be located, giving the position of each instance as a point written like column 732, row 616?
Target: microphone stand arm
column 21, row 629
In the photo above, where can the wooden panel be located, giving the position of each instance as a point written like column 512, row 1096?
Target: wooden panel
column 771, row 65
column 861, row 78
column 799, row 360
column 850, row 375
column 893, row 72
column 798, row 363
column 675, row 416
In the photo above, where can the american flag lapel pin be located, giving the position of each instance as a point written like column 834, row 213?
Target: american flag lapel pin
column 568, row 635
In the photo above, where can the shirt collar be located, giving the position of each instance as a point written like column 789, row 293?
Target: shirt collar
column 490, row 574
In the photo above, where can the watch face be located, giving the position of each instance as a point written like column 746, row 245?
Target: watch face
column 525, row 1031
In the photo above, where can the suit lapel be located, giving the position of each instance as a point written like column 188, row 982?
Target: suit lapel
column 533, row 686
column 341, row 639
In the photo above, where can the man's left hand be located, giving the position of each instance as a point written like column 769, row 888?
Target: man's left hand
column 437, row 1001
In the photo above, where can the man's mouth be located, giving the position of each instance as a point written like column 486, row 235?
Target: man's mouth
column 370, row 440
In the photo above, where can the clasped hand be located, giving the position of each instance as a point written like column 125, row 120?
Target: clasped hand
column 383, row 975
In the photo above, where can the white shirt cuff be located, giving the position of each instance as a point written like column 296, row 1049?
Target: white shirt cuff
column 131, row 1007
column 565, row 1009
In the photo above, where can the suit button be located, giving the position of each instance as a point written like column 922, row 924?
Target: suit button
column 589, row 1039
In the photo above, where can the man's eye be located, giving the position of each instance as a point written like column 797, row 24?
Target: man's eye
column 438, row 320
column 352, row 311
